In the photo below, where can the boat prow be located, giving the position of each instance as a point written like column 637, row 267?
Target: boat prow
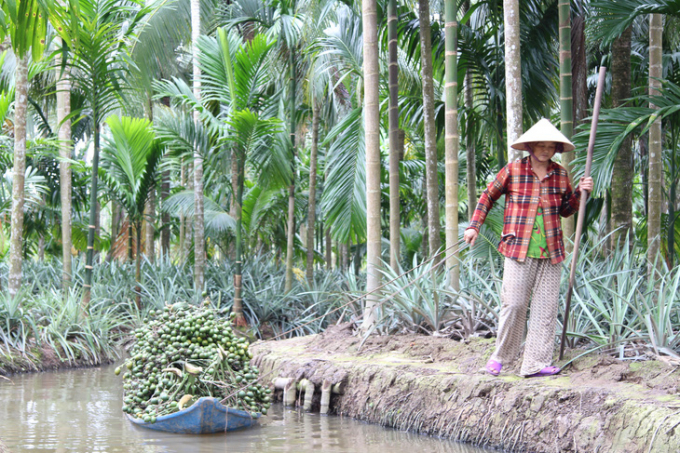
column 205, row 416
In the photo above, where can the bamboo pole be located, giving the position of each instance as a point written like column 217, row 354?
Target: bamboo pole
column 582, row 207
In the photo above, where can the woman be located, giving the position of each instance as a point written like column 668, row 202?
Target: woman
column 537, row 193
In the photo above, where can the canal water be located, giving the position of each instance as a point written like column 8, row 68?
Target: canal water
column 79, row 411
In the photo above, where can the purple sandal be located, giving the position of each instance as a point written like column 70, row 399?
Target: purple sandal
column 493, row 367
column 547, row 371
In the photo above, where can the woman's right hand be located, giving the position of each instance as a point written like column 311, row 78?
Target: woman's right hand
column 470, row 236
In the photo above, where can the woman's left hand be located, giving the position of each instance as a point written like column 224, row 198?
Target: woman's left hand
column 586, row 184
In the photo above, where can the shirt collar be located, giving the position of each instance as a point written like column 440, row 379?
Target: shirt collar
column 551, row 166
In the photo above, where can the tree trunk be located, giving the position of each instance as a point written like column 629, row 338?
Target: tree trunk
column 237, row 308
column 452, row 142
column 372, row 131
column 182, row 217
column 579, row 69
column 329, row 250
column 623, row 172
column 431, row 179
column 188, row 221
column 513, row 76
column 64, row 136
column 199, row 224
column 566, row 101
column 165, row 218
column 19, row 175
column 138, row 265
column 290, row 246
column 87, row 287
column 393, row 69
column 150, row 231
column 311, row 211
column 470, row 151
column 655, row 194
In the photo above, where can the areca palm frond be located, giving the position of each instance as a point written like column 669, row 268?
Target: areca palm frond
column 277, row 19
column 217, row 219
column 243, row 70
column 26, row 24
column 34, row 189
column 341, row 50
column 260, row 204
column 617, row 124
column 130, row 159
column 98, row 35
column 344, row 197
column 612, row 18
column 251, row 137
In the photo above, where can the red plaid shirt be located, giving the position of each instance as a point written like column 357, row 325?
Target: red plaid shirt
column 524, row 192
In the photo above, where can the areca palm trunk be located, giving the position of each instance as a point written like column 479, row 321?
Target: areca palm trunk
column 372, row 133
column 237, row 308
column 64, row 136
column 138, row 263
column 395, row 224
column 470, row 151
column 452, row 140
column 623, row 171
column 199, row 225
column 566, row 98
column 87, row 286
column 655, row 193
column 19, row 174
column 165, row 218
column 290, row 245
column 431, row 178
column 311, row 211
column 150, row 209
column 513, row 75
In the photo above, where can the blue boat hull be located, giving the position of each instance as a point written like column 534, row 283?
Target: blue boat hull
column 205, row 416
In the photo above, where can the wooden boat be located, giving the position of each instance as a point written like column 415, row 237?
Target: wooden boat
column 205, row 416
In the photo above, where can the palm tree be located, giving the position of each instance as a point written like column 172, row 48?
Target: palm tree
column 431, row 176
column 130, row 159
column 199, row 223
column 393, row 119
column 372, row 131
column 655, row 141
column 623, row 171
column 99, row 33
column 237, row 81
column 26, row 24
column 566, row 97
column 513, row 75
column 452, row 141
column 311, row 208
column 64, row 135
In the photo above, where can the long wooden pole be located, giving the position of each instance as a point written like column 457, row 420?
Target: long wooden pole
column 582, row 207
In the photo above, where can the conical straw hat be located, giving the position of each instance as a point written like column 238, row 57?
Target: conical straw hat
column 543, row 131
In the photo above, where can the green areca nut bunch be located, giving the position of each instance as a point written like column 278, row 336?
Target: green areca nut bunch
column 183, row 353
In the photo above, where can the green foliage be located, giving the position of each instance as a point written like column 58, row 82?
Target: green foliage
column 130, row 159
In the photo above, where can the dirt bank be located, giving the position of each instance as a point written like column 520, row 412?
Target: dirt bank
column 42, row 359
column 437, row 386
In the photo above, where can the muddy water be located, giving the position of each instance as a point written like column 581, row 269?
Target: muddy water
column 79, row 411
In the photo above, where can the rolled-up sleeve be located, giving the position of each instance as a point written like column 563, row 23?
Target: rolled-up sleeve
column 570, row 201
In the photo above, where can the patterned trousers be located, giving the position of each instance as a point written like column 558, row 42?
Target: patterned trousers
column 538, row 281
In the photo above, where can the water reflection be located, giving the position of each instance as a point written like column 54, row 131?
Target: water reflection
column 79, row 411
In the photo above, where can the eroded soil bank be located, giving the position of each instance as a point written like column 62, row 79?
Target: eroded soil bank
column 44, row 359
column 437, row 386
